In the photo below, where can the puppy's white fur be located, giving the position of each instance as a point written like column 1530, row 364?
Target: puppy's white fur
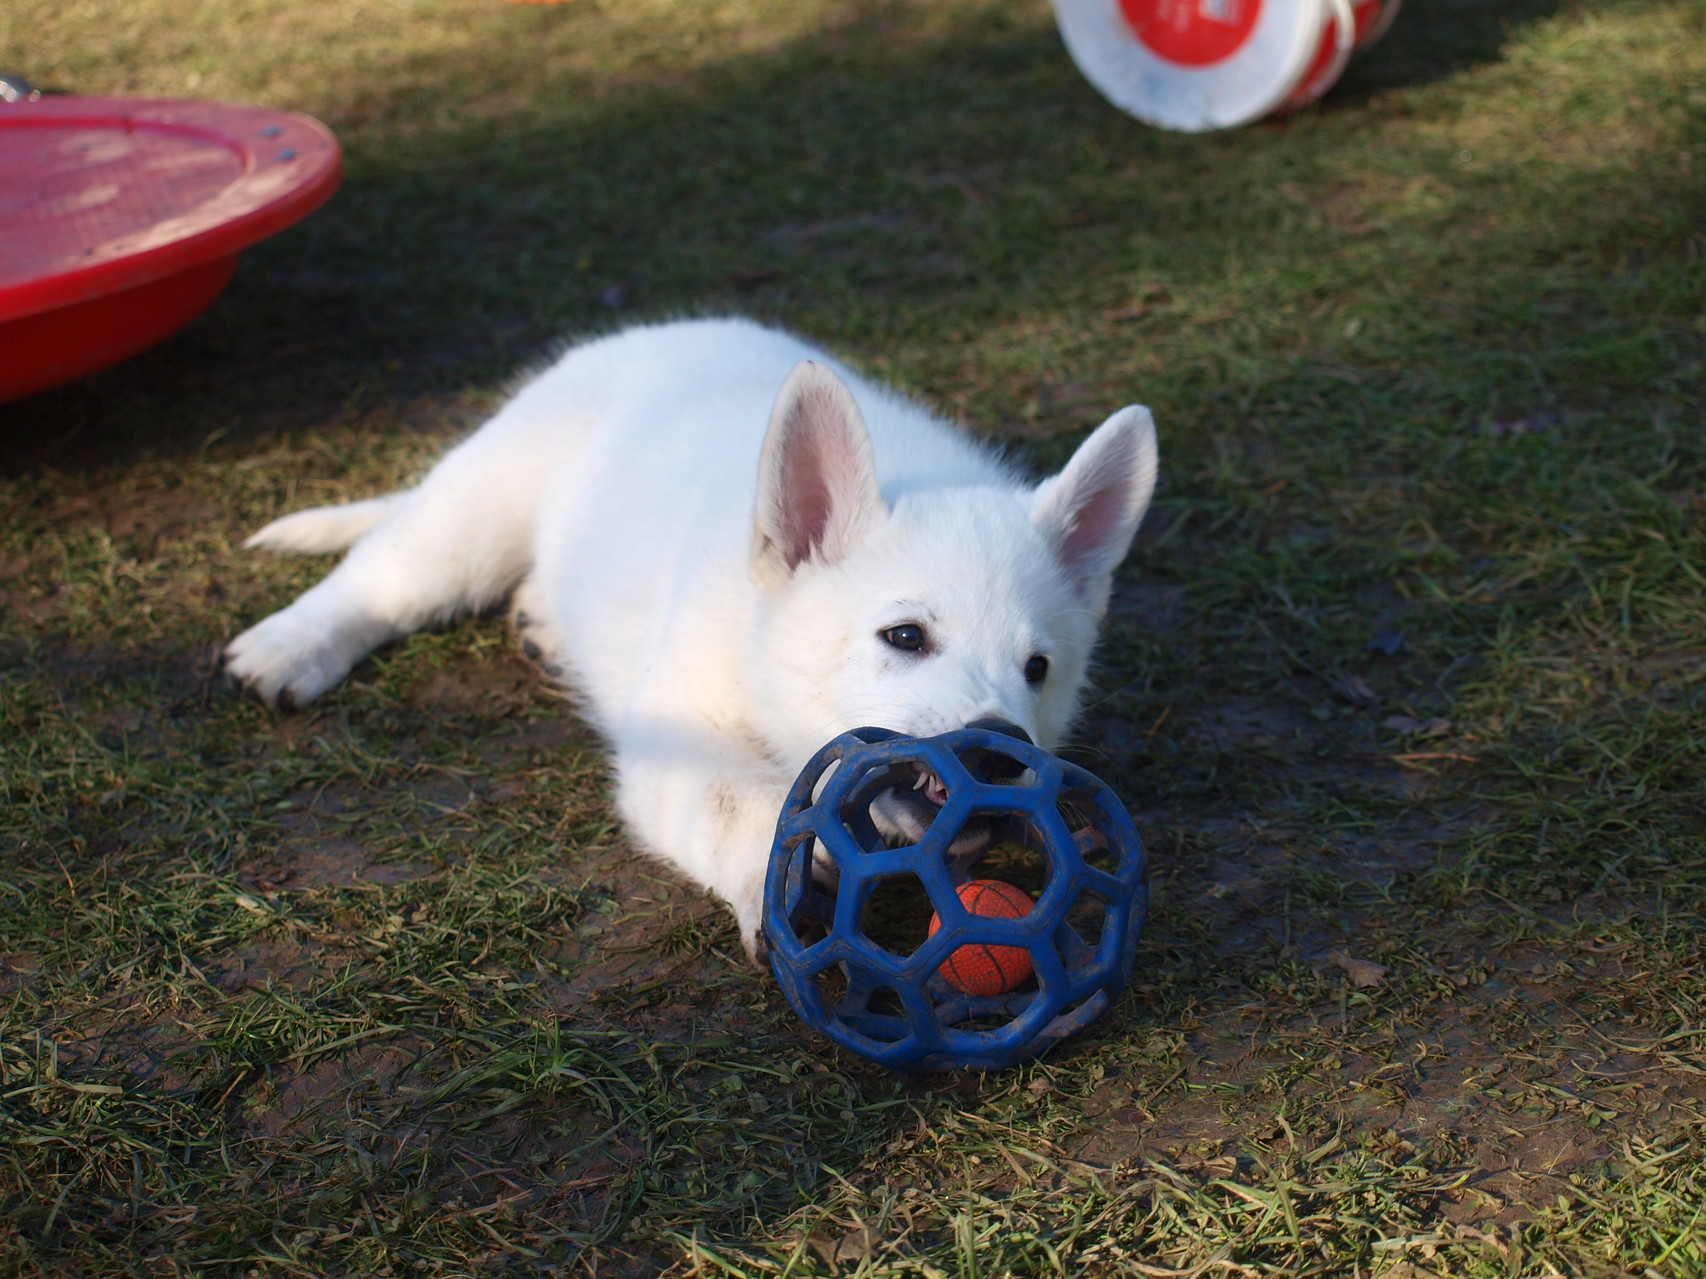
column 718, row 568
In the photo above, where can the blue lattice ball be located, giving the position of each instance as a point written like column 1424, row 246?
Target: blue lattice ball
column 846, row 916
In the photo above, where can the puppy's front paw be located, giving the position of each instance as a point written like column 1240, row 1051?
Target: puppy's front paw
column 757, row 950
column 285, row 661
column 747, row 902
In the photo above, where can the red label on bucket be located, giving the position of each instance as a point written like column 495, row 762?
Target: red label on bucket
column 1321, row 74
column 1192, row 33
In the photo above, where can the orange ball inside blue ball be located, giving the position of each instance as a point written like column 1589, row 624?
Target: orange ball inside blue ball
column 978, row 968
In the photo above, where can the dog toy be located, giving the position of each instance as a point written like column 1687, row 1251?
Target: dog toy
column 981, row 969
column 845, row 915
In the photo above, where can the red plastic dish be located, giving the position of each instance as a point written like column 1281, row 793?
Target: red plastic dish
column 121, row 220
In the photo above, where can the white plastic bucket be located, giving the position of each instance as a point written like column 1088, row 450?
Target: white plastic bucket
column 1332, row 55
column 1195, row 65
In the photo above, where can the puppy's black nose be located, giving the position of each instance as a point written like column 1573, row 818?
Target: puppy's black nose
column 1001, row 726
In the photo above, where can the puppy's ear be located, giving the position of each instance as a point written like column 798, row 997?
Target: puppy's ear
column 817, row 482
column 1090, row 511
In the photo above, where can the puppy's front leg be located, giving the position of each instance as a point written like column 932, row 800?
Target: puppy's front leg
column 712, row 814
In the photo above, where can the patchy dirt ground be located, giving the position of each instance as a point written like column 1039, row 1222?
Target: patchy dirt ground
column 1402, row 682
column 398, row 941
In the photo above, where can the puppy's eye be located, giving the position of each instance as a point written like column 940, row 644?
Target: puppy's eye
column 1036, row 670
column 909, row 637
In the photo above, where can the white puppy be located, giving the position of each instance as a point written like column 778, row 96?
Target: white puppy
column 724, row 595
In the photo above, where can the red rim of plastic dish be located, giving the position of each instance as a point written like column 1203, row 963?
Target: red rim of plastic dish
column 160, row 267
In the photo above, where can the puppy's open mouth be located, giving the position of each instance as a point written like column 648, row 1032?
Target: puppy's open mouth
column 904, row 812
column 904, row 799
column 931, row 786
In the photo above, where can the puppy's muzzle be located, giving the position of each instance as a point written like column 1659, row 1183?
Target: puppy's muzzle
column 993, row 766
column 902, row 814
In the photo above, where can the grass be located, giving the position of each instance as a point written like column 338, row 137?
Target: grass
column 380, row 989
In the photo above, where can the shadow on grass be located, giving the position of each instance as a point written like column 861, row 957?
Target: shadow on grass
column 866, row 183
column 1434, row 39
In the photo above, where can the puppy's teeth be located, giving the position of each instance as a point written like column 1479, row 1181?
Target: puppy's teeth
column 923, row 780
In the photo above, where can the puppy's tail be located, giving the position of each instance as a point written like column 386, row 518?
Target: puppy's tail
column 325, row 529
